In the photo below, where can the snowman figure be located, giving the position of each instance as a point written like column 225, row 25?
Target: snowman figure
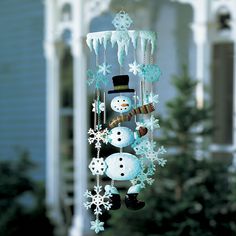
column 122, row 166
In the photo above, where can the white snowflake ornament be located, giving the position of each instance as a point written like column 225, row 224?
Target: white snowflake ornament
column 98, row 137
column 122, row 21
column 135, row 68
column 97, row 226
column 104, row 68
column 98, row 106
column 98, row 200
column 97, row 166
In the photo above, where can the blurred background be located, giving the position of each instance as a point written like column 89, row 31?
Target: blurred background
column 45, row 110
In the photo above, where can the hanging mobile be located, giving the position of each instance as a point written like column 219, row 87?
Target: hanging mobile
column 140, row 166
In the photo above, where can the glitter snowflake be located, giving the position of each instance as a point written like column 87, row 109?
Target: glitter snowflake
column 122, row 21
column 104, row 69
column 153, row 156
column 98, row 200
column 150, row 73
column 142, row 146
column 96, row 78
column 98, row 137
column 97, row 166
column 135, row 68
column 98, row 106
column 97, row 226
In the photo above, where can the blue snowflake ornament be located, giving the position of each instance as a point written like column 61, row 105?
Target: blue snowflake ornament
column 96, row 78
column 151, row 98
column 122, row 21
column 150, row 73
column 97, row 226
column 147, row 171
column 142, row 146
column 153, row 156
column 152, row 123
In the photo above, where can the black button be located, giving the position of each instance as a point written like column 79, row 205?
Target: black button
column 121, row 166
column 120, row 159
column 118, row 133
column 122, row 174
column 119, row 139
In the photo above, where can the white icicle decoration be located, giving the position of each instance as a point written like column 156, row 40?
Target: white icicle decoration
column 122, row 39
column 134, row 37
column 94, row 39
column 148, row 36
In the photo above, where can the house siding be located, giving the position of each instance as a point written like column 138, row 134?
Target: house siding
column 22, row 81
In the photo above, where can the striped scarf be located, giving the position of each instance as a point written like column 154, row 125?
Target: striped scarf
column 144, row 109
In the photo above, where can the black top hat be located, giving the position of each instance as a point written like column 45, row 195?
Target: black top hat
column 121, row 84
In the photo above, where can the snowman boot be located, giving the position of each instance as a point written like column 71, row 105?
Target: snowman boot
column 115, row 197
column 131, row 200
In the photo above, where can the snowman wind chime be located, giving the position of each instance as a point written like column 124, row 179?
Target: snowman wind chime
column 140, row 166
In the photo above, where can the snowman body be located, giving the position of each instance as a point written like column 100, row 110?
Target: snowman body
column 122, row 166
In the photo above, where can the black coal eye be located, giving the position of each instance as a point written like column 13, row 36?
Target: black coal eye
column 118, row 100
column 123, row 100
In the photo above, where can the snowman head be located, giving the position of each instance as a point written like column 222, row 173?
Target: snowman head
column 121, row 104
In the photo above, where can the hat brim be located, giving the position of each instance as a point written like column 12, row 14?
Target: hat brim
column 122, row 91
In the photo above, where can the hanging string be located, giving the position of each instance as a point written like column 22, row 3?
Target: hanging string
column 112, row 183
column 105, row 109
column 151, row 62
column 95, row 115
column 104, row 93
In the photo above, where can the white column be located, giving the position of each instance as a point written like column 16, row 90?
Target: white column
column 80, row 217
column 52, row 117
column 200, row 29
column 202, row 64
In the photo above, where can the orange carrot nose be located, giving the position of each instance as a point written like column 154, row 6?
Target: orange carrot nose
column 124, row 104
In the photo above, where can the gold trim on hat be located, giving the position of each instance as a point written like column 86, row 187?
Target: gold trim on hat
column 120, row 87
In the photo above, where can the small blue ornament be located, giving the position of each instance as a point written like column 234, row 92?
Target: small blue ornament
column 150, row 73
